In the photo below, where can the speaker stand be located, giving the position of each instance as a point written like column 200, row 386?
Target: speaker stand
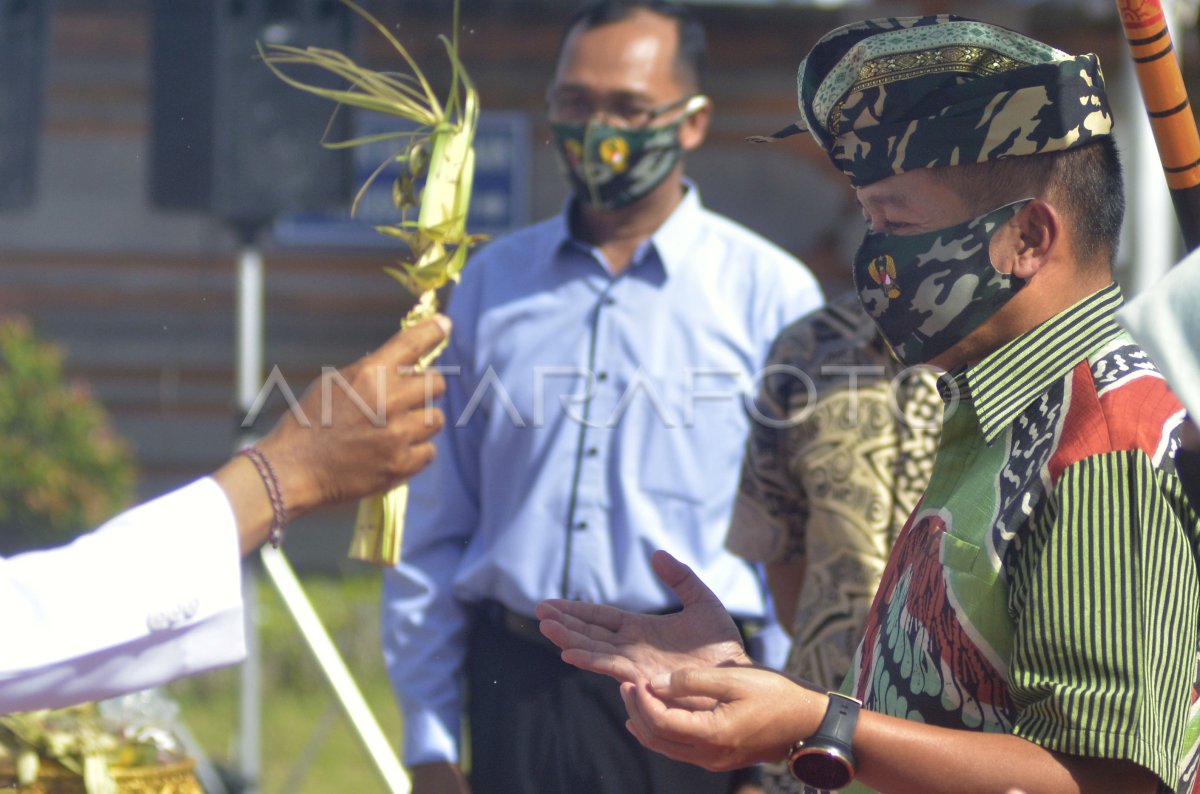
column 249, row 380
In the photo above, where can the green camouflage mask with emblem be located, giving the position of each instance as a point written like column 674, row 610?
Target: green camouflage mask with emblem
column 611, row 167
column 927, row 292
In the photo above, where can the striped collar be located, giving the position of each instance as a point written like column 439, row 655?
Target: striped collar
column 1005, row 382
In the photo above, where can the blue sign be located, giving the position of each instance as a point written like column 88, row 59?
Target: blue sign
column 499, row 196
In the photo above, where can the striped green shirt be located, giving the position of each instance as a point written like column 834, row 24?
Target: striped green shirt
column 1047, row 583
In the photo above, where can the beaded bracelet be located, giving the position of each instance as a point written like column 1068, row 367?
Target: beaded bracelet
column 274, row 493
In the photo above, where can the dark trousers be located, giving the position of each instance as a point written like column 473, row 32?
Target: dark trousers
column 541, row 726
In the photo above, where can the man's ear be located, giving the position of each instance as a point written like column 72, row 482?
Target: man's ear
column 695, row 126
column 1029, row 240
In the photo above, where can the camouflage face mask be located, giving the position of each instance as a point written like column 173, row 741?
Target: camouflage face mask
column 927, row 292
column 610, row 167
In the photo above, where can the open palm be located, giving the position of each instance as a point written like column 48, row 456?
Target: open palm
column 633, row 647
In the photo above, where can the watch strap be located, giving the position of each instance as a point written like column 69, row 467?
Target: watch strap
column 841, row 717
column 826, row 759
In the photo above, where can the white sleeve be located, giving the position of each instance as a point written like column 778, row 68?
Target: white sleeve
column 1165, row 320
column 152, row 595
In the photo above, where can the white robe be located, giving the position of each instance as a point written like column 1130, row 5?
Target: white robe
column 152, row 595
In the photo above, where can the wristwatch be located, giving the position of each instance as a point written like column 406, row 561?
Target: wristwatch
column 825, row 760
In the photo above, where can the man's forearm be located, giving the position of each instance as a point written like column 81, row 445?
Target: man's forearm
column 899, row 756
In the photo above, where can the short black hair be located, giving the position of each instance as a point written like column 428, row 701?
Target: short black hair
column 1085, row 180
column 691, row 59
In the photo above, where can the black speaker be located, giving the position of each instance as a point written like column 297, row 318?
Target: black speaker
column 23, row 44
column 228, row 136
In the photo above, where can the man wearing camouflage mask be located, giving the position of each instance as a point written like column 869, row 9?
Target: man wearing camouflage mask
column 1036, row 626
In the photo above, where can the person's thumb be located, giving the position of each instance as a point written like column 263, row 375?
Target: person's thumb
column 691, row 682
column 681, row 579
column 407, row 347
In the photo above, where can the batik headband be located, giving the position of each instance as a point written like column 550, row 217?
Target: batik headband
column 891, row 95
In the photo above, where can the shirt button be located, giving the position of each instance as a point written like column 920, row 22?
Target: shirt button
column 592, row 452
column 580, row 525
column 610, row 300
column 601, row 376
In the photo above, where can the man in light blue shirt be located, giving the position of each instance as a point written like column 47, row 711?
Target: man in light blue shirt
column 595, row 412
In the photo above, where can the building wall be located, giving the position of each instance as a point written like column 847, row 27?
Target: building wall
column 143, row 300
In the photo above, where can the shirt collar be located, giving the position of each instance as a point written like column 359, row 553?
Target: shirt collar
column 670, row 243
column 1008, row 380
column 674, row 239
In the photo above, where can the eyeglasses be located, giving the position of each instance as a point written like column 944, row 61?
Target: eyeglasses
column 578, row 108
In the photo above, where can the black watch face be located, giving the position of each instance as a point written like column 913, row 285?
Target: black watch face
column 820, row 770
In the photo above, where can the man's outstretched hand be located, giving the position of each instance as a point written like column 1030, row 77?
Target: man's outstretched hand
column 636, row 648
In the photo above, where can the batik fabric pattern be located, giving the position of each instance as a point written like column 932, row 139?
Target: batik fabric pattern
column 840, row 449
column 1046, row 585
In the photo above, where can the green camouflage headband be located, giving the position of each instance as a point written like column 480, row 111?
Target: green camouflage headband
column 891, row 95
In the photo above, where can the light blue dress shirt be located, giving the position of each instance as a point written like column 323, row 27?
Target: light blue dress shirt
column 591, row 419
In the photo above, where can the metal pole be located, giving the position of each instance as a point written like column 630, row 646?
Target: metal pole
column 249, row 381
column 335, row 670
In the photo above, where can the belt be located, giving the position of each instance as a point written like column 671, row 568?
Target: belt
column 496, row 615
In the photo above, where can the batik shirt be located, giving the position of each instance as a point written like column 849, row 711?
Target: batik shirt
column 841, row 446
column 1046, row 585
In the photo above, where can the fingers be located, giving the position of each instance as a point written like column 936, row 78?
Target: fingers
column 353, row 445
column 409, row 462
column 653, row 715
column 682, row 731
column 583, row 633
column 373, row 392
column 596, row 655
column 577, row 614
column 409, row 388
column 418, row 424
column 392, row 367
column 651, row 721
column 548, row 609
column 611, row 665
column 681, row 579
column 365, row 428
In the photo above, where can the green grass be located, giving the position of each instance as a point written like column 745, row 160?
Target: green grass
column 298, row 702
